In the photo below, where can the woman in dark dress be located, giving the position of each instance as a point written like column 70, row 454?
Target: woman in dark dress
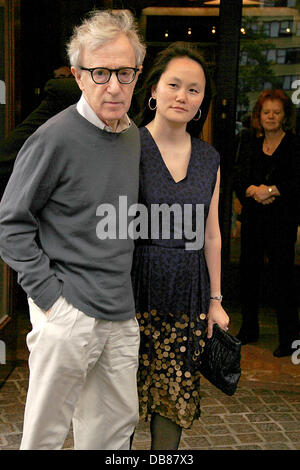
column 267, row 183
column 176, row 269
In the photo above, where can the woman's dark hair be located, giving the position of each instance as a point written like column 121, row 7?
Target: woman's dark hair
column 174, row 51
column 288, row 107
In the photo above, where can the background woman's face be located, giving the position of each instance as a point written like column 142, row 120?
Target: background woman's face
column 180, row 90
column 272, row 115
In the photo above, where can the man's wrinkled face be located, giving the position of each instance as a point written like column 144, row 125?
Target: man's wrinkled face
column 112, row 100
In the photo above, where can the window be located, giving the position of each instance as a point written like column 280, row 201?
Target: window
column 287, row 81
column 275, row 29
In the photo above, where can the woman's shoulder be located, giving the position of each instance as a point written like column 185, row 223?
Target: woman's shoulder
column 290, row 146
column 148, row 146
column 143, row 131
column 290, row 137
column 145, row 136
column 204, row 149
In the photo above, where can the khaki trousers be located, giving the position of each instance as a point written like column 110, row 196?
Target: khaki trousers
column 81, row 369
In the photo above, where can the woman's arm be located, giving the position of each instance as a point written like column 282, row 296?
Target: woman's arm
column 212, row 250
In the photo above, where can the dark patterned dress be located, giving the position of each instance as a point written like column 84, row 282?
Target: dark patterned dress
column 171, row 285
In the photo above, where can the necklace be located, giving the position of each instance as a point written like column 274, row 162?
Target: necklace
column 271, row 146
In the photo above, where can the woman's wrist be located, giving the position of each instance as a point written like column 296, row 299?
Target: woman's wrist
column 217, row 297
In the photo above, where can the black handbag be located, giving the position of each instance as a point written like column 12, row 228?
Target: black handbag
column 221, row 360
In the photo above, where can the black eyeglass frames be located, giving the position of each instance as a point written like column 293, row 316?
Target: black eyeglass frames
column 101, row 75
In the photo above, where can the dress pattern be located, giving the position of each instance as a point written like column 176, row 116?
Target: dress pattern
column 171, row 287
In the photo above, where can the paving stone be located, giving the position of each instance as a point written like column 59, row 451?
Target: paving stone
column 208, row 419
column 259, row 408
column 222, row 425
column 242, row 428
column 290, row 425
column 221, row 448
column 293, row 436
column 249, row 438
column 13, row 441
column 217, row 429
column 200, row 442
column 195, row 431
column 282, row 408
column 210, row 401
column 141, row 436
column 213, row 410
column 277, row 446
column 6, row 428
column 259, row 416
column 250, row 400
column 283, row 417
column 266, row 427
column 272, row 399
column 145, row 445
column 249, row 447
column 274, row 436
column 228, row 439
column 235, row 418
column 237, row 409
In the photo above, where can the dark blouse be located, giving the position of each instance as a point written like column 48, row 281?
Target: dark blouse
column 281, row 169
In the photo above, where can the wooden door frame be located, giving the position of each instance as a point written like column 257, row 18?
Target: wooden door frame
column 230, row 19
column 8, row 322
column 12, row 56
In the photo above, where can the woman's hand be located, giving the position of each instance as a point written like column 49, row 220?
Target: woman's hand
column 268, row 201
column 216, row 314
column 261, row 193
column 250, row 191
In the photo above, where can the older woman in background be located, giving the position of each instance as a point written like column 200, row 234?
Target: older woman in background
column 267, row 183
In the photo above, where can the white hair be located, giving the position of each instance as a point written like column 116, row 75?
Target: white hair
column 101, row 27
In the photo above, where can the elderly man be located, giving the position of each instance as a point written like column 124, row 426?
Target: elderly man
column 84, row 340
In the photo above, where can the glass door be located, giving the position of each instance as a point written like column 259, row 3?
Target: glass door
column 269, row 58
column 162, row 25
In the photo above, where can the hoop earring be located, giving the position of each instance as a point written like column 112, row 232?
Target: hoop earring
column 197, row 119
column 149, row 103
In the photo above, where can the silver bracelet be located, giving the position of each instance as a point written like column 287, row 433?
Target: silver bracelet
column 217, row 297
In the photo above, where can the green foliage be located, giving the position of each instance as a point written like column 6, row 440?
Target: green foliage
column 254, row 68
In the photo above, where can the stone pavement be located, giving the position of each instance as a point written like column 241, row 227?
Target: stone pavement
column 264, row 414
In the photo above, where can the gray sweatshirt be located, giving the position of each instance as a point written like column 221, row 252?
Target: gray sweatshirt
column 51, row 210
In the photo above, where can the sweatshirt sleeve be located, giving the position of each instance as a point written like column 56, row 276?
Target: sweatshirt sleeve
column 34, row 177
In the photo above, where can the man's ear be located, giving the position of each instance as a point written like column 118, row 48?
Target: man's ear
column 77, row 75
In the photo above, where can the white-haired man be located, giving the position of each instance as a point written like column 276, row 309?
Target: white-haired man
column 85, row 338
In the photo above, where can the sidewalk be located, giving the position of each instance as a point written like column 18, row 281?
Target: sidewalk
column 264, row 414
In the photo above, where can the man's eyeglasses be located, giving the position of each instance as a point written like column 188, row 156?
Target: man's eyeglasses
column 101, row 75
